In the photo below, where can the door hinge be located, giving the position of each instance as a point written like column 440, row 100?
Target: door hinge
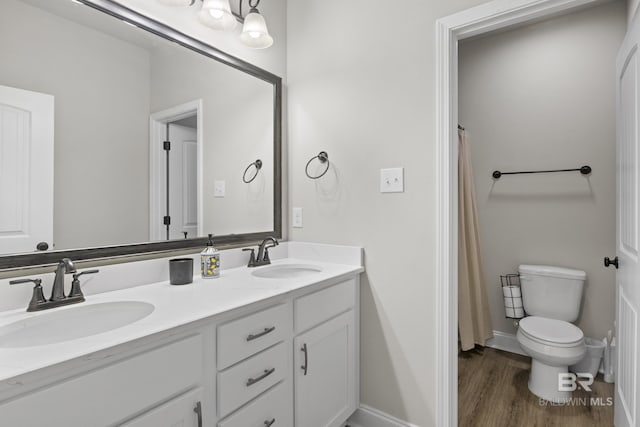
column 167, row 220
column 166, row 145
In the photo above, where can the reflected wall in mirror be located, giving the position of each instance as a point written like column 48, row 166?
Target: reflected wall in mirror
column 113, row 92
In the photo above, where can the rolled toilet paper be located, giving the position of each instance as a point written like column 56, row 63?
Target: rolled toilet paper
column 513, row 302
column 511, row 291
column 510, row 312
column 519, row 312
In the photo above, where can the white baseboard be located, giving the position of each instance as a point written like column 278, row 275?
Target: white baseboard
column 366, row 416
column 505, row 342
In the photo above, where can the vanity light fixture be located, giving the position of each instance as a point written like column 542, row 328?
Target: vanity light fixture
column 217, row 14
column 254, row 32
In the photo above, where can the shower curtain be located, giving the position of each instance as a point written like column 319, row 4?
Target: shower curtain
column 474, row 318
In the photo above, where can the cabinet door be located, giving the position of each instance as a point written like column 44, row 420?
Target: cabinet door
column 183, row 411
column 325, row 373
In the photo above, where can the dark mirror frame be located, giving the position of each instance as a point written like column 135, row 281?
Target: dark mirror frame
column 125, row 14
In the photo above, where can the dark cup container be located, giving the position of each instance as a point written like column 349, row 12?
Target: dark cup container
column 181, row 271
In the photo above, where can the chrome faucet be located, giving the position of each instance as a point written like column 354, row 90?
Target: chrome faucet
column 64, row 267
column 263, row 252
column 39, row 302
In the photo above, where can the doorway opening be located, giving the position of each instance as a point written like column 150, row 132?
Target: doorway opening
column 481, row 20
column 175, row 172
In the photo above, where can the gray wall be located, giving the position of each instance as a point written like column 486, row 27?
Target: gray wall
column 632, row 9
column 361, row 87
column 543, row 97
column 238, row 129
column 45, row 53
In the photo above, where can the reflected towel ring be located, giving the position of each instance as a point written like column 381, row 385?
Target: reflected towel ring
column 324, row 158
column 258, row 166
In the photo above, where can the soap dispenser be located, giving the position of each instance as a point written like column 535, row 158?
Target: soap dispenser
column 210, row 260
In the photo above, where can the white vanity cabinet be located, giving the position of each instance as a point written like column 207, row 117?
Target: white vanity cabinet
column 254, row 362
column 286, row 361
column 326, row 354
column 183, row 411
column 115, row 393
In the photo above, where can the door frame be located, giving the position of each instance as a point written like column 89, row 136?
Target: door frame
column 157, row 162
column 478, row 20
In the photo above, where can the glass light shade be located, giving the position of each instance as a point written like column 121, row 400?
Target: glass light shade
column 255, row 33
column 217, row 14
column 176, row 2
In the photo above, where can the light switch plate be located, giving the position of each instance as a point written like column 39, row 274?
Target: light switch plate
column 296, row 221
column 392, row 180
column 219, row 188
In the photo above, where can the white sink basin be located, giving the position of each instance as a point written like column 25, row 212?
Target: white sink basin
column 72, row 323
column 287, row 271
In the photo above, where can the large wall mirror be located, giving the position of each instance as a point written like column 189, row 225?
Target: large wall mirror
column 119, row 135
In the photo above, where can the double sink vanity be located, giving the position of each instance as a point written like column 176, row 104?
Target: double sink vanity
column 270, row 346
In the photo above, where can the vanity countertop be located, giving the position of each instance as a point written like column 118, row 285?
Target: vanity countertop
column 174, row 306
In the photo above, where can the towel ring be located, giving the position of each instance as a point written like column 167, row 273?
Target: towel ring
column 324, row 158
column 258, row 166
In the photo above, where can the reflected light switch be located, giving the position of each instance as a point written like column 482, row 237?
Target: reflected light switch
column 219, row 188
column 392, row 180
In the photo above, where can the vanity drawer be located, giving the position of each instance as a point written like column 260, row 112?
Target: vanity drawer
column 273, row 409
column 313, row 309
column 110, row 394
column 246, row 336
column 243, row 382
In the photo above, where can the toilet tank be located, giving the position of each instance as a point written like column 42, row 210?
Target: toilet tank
column 553, row 292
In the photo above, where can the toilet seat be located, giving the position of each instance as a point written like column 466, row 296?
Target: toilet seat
column 551, row 332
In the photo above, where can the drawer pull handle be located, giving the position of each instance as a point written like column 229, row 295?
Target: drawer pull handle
column 269, row 423
column 267, row 372
column 198, row 411
column 306, row 358
column 261, row 334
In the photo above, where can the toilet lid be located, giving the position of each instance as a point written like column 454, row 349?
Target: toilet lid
column 551, row 330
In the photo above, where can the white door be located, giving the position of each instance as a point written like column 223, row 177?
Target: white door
column 183, row 196
column 628, row 230
column 325, row 373
column 26, row 170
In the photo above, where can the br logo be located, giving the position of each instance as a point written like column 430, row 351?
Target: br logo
column 568, row 381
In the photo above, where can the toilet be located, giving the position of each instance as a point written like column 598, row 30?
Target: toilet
column 551, row 297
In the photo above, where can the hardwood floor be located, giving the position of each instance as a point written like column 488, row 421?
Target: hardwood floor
column 492, row 392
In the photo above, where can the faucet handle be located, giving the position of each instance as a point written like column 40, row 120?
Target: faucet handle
column 76, row 291
column 77, row 275
column 252, row 257
column 37, row 282
column 37, row 298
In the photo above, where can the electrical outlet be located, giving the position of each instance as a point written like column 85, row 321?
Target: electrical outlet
column 297, row 218
column 219, row 188
column 392, row 180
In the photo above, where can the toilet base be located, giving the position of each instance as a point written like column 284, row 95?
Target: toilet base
column 543, row 382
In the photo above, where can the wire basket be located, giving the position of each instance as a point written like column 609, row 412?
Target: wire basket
column 512, row 294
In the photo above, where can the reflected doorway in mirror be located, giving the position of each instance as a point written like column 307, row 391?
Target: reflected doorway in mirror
column 176, row 170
